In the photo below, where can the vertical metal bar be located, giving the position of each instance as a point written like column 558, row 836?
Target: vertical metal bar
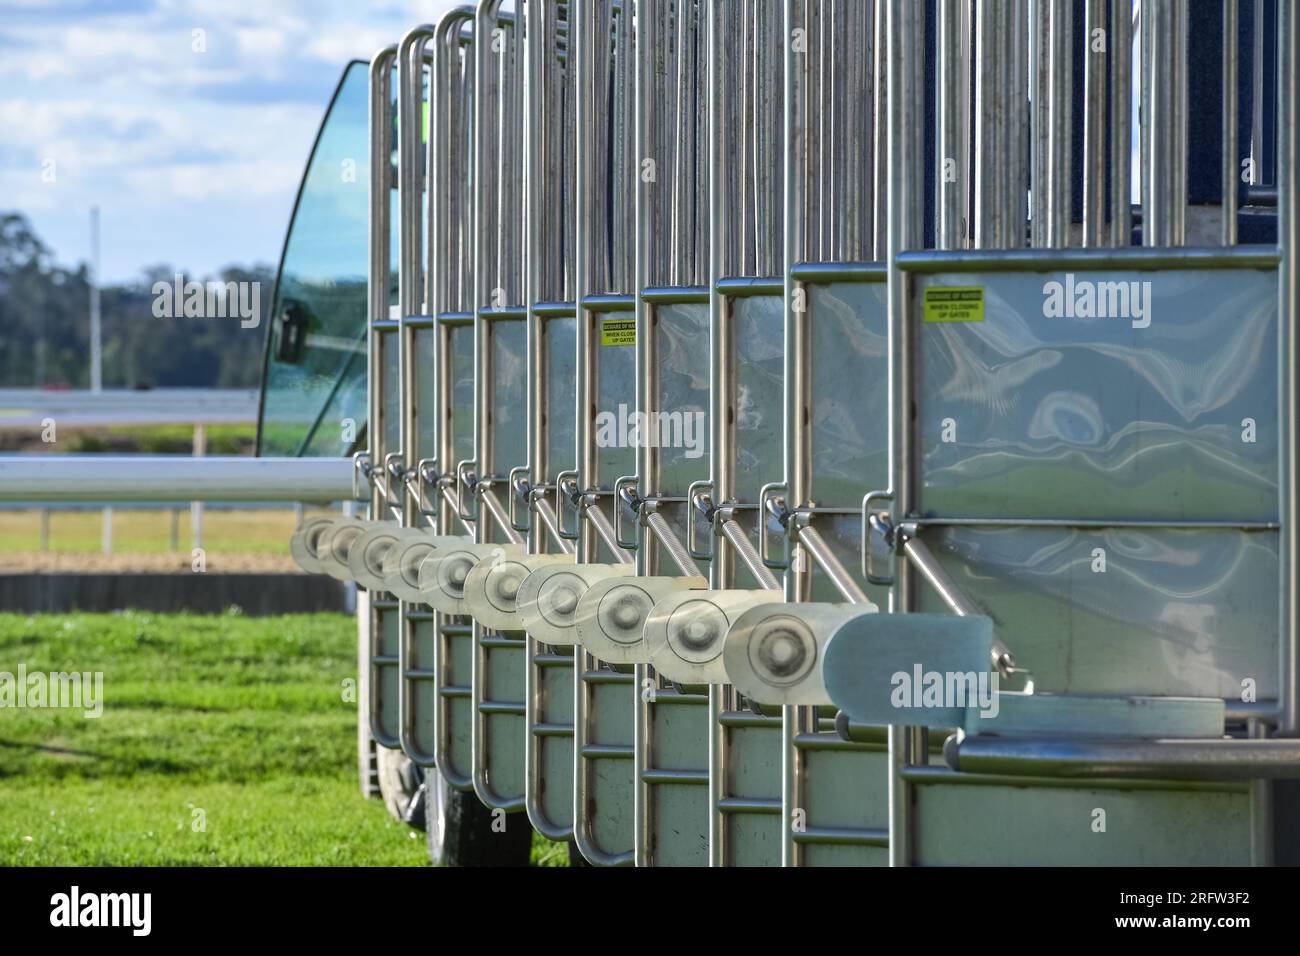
column 647, row 44
column 880, row 188
column 1120, row 42
column 1060, row 153
column 1094, row 120
column 1178, row 117
column 719, row 144
column 795, row 122
column 381, row 83
column 1163, row 222
column 906, row 116
column 951, row 154
column 1288, row 180
column 1018, row 198
column 989, row 104
column 1041, row 133
column 1231, row 168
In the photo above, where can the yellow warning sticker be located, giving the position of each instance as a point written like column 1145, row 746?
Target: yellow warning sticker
column 954, row 304
column 618, row 332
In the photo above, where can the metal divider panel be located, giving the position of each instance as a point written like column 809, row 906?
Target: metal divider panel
column 386, row 617
column 421, row 692
column 760, row 400
column 751, row 790
column 1029, row 407
column 1122, row 401
column 555, row 682
column 1187, row 612
column 677, row 723
column 560, row 338
column 843, row 787
column 389, row 344
column 462, row 397
column 553, row 675
column 759, row 323
column 385, row 676
column 615, row 397
column 509, row 410
column 966, row 825
column 457, row 708
column 1163, row 413
column 456, row 642
column 608, row 816
column 682, row 358
column 503, row 654
column 425, row 394
column 850, row 391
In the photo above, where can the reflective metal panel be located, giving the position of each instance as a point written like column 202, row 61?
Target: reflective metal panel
column 1164, row 410
column 1186, row 612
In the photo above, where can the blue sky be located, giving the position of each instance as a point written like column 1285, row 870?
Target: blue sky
column 192, row 144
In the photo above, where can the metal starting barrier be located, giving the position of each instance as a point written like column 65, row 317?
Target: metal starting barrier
column 791, row 445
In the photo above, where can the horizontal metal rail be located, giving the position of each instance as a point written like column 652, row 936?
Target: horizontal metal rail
column 112, row 478
column 1211, row 759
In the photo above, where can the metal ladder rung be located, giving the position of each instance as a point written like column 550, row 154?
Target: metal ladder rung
column 607, row 677
column 606, row 752
column 844, row 836
column 553, row 660
column 830, row 742
column 693, row 777
column 501, row 707
column 552, row 730
column 750, row 805
column 743, row 718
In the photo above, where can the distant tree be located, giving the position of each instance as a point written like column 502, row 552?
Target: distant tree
column 44, row 309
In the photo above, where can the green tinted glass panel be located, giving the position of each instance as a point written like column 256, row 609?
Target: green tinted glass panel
column 314, row 388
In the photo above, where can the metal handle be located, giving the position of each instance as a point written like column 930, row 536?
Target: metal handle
column 871, row 524
column 626, row 498
column 426, row 473
column 518, row 494
column 465, row 481
column 562, row 479
column 698, row 500
column 360, row 466
column 768, row 496
column 394, row 471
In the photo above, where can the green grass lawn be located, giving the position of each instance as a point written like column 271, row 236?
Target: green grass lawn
column 261, row 531
column 224, row 741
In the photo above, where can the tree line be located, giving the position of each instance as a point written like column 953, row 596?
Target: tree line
column 44, row 314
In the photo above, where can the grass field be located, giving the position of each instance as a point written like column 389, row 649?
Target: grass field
column 223, row 741
column 264, row 531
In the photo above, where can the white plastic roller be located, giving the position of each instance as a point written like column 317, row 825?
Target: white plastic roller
column 493, row 587
column 549, row 597
column 445, row 573
column 686, row 632
column 334, row 546
column 774, row 653
column 611, row 616
column 305, row 542
column 368, row 553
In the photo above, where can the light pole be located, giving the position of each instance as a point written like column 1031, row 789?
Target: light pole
column 96, row 348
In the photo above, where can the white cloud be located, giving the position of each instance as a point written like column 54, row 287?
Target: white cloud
column 170, row 142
